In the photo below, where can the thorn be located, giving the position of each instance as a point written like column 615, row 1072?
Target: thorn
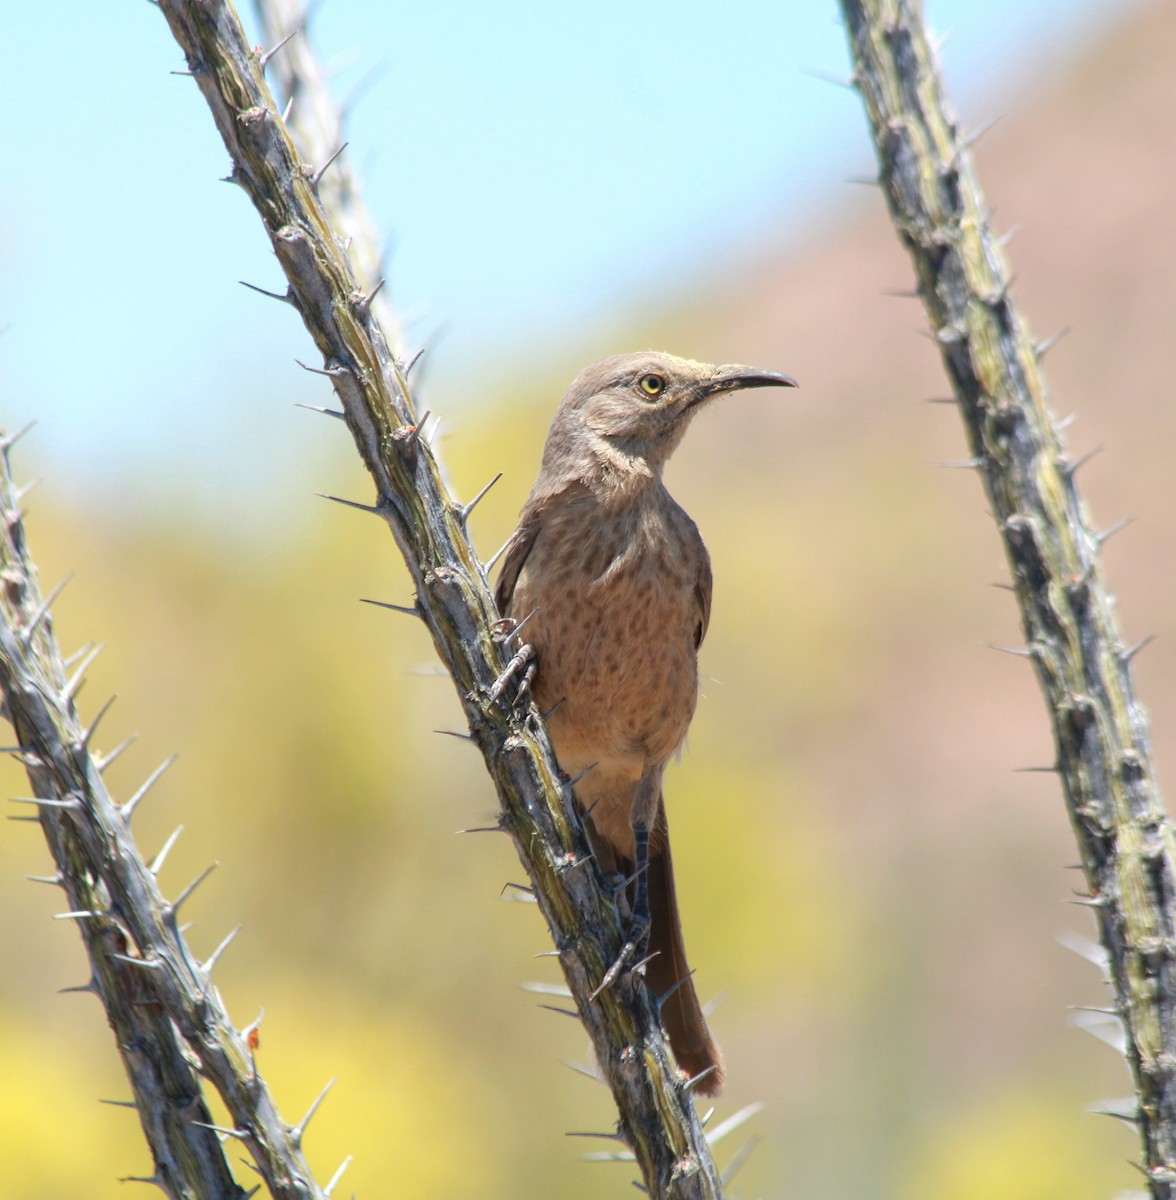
column 547, row 954
column 963, row 464
column 8, row 440
column 316, row 178
column 482, row 828
column 327, row 412
column 573, row 782
column 738, row 1159
column 453, row 733
column 211, row 961
column 702, row 1075
column 580, row 1069
column 82, row 914
column 179, row 900
column 940, row 400
column 55, row 880
column 489, row 563
column 287, row 111
column 45, row 801
column 77, row 654
column 1107, row 534
column 469, row 508
column 1131, row 1117
column 239, row 1134
column 148, row 964
column 26, row 634
column 129, row 807
column 865, row 180
column 659, row 1001
column 253, row 1026
column 371, row 508
column 286, row 297
column 1019, row 651
column 412, row 433
column 970, row 139
column 299, row 1129
column 1003, row 587
column 156, row 864
column 829, row 77
column 567, row 1012
column 22, row 492
column 75, row 683
column 89, row 733
column 553, row 708
column 92, row 986
column 364, row 305
column 1042, row 348
column 902, row 293
column 733, row 1122
column 264, row 59
column 547, row 989
column 1070, row 469
column 520, row 887
column 329, row 372
column 1127, row 655
column 337, row 1176
column 103, row 763
column 515, row 627
column 408, row 610
column 1054, row 770
column 412, row 362
column 1005, row 238
column 119, row 1103
column 1085, row 948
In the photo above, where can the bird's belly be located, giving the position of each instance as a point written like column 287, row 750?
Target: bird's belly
column 619, row 660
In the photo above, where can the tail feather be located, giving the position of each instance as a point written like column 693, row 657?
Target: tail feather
column 668, row 974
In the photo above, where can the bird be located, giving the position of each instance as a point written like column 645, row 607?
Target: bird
column 614, row 581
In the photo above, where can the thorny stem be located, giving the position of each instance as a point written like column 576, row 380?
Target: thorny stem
column 169, row 1023
column 1100, row 729
column 657, row 1117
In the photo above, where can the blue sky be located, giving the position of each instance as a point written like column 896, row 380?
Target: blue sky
column 535, row 165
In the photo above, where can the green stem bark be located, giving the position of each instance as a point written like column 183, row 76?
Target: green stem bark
column 1072, row 637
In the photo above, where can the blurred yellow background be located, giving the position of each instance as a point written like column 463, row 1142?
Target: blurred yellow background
column 873, row 891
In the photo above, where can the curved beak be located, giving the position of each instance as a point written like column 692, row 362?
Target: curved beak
column 733, row 378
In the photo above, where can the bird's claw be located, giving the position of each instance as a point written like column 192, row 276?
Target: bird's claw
column 633, row 951
column 523, row 662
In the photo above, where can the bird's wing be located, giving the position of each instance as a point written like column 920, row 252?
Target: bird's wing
column 702, row 594
column 521, row 543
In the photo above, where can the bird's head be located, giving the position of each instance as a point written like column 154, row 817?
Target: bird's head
column 625, row 415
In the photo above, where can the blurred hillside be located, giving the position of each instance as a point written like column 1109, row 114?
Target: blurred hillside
column 866, row 880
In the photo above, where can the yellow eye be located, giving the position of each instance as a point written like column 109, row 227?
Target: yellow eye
column 652, row 385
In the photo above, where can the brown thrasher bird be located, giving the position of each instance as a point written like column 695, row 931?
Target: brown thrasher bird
column 619, row 584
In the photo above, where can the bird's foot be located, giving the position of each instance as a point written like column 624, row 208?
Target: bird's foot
column 632, row 952
column 522, row 663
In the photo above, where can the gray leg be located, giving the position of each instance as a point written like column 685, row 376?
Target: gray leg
column 641, row 816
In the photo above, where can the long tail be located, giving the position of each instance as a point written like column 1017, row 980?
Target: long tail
column 667, row 972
